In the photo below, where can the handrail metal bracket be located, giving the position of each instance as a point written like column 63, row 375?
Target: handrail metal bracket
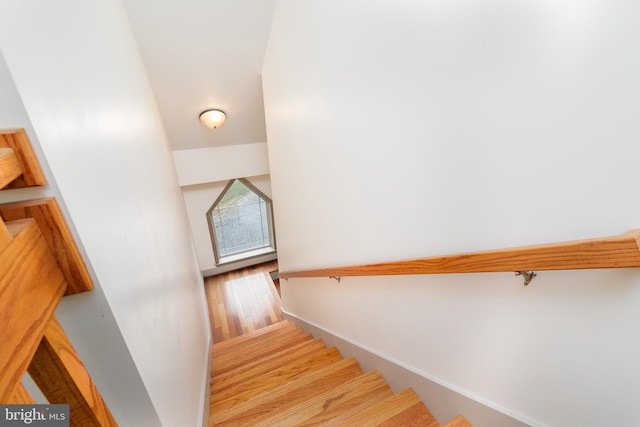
column 527, row 275
column 335, row 277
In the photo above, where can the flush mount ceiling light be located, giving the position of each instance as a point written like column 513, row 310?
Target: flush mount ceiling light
column 213, row 119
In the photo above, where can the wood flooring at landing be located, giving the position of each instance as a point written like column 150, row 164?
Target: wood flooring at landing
column 242, row 301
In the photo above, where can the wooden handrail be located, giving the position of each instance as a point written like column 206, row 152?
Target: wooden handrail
column 607, row 252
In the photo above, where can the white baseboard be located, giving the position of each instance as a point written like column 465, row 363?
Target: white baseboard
column 443, row 401
column 239, row 264
column 206, row 388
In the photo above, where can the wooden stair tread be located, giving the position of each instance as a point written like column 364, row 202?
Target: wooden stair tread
column 459, row 421
column 222, row 347
column 267, row 364
column 404, row 408
column 256, row 386
column 258, row 351
column 250, row 345
column 340, row 401
column 289, row 394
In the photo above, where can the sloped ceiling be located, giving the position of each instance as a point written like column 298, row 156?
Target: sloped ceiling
column 202, row 54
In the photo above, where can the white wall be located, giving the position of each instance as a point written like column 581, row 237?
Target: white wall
column 214, row 164
column 408, row 129
column 143, row 332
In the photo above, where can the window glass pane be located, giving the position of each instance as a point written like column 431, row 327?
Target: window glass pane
column 240, row 221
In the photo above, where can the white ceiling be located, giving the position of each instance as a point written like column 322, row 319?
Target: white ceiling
column 202, row 54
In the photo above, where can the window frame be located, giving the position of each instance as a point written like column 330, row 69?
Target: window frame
column 250, row 253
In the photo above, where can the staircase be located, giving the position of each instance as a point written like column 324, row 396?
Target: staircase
column 281, row 376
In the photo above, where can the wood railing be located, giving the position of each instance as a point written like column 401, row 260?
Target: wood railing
column 607, row 252
column 39, row 264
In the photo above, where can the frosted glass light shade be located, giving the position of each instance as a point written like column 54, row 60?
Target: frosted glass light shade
column 213, row 118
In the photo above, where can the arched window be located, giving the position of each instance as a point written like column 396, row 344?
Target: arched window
column 241, row 223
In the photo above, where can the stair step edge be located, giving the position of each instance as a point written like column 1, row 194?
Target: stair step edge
column 312, row 411
column 221, row 365
column 273, row 361
column 260, row 341
column 249, row 335
column 270, row 402
column 254, row 387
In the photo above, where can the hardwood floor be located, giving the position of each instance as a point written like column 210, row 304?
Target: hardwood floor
column 242, row 301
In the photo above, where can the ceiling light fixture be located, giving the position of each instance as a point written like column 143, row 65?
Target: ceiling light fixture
column 213, row 119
